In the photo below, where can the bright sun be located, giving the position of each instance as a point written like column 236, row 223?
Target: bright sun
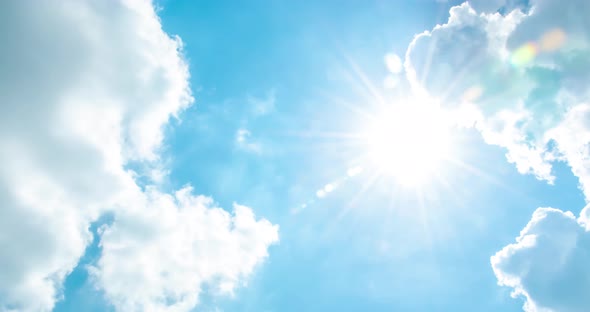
column 408, row 142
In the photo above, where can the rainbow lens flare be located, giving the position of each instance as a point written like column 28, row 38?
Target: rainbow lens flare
column 525, row 54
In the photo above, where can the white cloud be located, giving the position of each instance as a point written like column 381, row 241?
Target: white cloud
column 242, row 135
column 548, row 264
column 519, row 74
column 172, row 245
column 522, row 80
column 86, row 87
column 572, row 137
column 469, row 53
column 262, row 105
column 462, row 55
column 245, row 142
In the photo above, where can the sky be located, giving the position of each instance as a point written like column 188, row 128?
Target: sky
column 262, row 155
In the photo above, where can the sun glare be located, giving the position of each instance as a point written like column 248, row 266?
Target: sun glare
column 408, row 142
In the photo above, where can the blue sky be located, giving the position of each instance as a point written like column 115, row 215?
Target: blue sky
column 288, row 156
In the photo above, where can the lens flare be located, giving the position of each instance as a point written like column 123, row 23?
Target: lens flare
column 550, row 41
column 472, row 94
column 393, row 63
column 553, row 40
column 525, row 54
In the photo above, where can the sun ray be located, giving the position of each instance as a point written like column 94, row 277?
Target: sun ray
column 403, row 143
column 458, row 77
column 449, row 191
column 354, row 108
column 489, row 178
column 367, row 84
column 479, row 173
column 369, row 182
column 324, row 135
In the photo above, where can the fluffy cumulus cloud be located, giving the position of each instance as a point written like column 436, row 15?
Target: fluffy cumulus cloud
column 179, row 243
column 520, row 75
column 548, row 264
column 86, row 89
column 514, row 76
column 572, row 137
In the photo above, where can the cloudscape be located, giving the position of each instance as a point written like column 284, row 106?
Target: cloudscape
column 411, row 155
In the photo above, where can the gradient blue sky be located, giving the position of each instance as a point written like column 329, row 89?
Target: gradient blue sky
column 279, row 85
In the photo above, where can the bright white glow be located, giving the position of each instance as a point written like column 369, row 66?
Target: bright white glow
column 408, row 142
column 328, row 188
column 320, row 193
column 393, row 63
column 390, row 82
column 354, row 171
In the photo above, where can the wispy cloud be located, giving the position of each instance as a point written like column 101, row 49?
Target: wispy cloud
column 262, row 105
column 245, row 142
